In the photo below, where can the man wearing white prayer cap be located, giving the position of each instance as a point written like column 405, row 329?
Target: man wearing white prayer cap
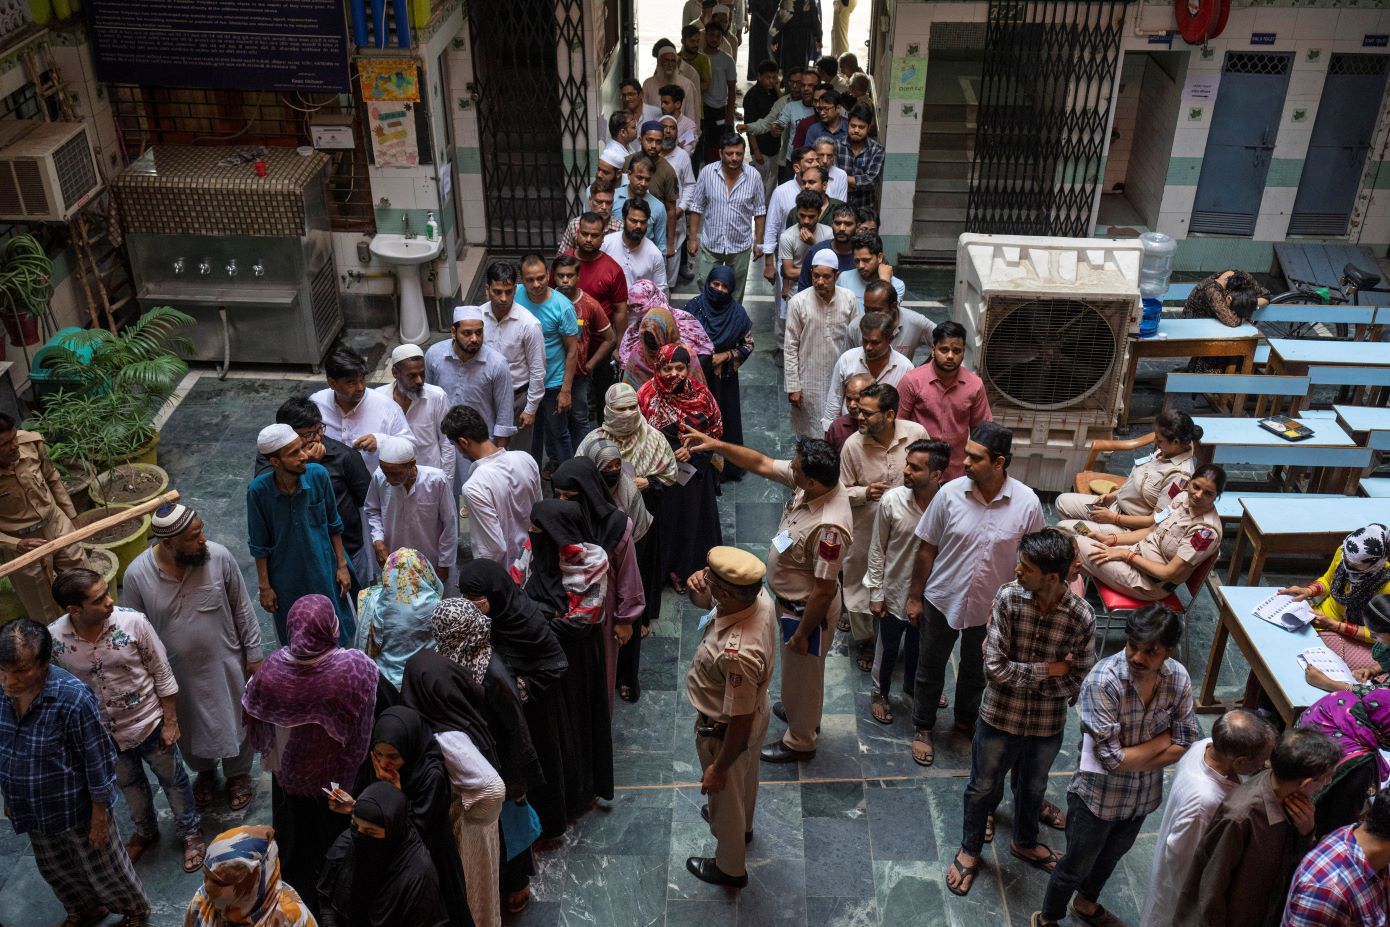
column 817, row 334
column 412, row 505
column 422, row 404
column 295, row 533
column 475, row 374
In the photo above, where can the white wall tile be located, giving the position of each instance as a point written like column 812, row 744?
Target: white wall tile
column 1316, row 24
column 1352, row 25
column 1278, row 200
column 1179, row 199
column 1173, row 223
column 1279, row 20
column 400, row 191
column 1306, row 85
column 1271, row 227
column 1189, row 142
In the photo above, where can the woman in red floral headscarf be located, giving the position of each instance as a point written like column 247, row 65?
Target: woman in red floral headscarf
column 689, row 522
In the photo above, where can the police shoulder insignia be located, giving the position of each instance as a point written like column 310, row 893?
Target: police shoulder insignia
column 1177, row 489
column 830, row 544
column 1202, row 538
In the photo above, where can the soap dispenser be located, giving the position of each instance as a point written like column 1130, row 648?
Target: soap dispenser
column 431, row 228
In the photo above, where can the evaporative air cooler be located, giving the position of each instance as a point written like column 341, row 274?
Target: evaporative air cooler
column 1047, row 325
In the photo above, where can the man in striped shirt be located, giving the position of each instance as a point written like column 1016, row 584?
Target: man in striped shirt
column 727, row 206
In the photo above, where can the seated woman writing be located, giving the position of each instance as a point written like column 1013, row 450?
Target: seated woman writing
column 1150, row 563
column 1376, row 669
column 1156, row 480
column 1358, row 573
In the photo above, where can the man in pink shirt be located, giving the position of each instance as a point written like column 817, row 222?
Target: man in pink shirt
column 943, row 398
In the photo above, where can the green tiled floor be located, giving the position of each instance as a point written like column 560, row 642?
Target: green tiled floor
column 857, row 837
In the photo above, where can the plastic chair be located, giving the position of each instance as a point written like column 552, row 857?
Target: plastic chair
column 1116, row 604
column 1088, row 472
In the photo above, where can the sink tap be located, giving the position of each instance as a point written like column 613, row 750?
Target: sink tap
column 204, row 267
column 258, row 269
column 178, row 266
column 405, row 226
column 231, row 267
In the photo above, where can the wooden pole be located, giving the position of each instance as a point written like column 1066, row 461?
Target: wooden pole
column 81, row 534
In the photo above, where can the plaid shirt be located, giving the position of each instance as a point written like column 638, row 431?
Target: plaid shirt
column 57, row 759
column 1021, row 697
column 1116, row 717
column 1335, row 887
column 866, row 168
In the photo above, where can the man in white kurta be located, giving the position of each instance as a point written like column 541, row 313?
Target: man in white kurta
column 871, row 463
column 1240, row 743
column 422, row 405
column 409, row 505
column 353, row 414
column 817, row 334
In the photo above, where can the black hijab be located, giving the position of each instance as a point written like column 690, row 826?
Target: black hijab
column 557, row 524
column 520, row 634
column 607, row 522
column 447, row 698
column 382, row 882
column 406, row 730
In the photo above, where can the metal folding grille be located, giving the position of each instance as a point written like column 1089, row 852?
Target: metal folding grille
column 530, row 78
column 1363, row 65
column 1051, row 353
column 1256, row 63
column 1045, row 98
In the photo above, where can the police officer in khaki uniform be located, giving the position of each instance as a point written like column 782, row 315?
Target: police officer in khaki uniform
column 1151, row 563
column 727, row 685
column 34, row 509
column 1153, row 483
column 803, row 569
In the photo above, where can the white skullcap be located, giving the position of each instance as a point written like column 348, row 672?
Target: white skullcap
column 669, row 118
column 405, row 352
column 468, row 314
column 171, row 519
column 394, row 450
column 825, row 258
column 720, row 8
column 274, row 437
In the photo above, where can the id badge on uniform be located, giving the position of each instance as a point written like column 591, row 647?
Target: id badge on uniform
column 782, row 541
column 1159, row 516
column 1143, row 460
column 705, row 619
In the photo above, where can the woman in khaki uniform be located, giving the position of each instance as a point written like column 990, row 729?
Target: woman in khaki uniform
column 1153, row 484
column 1150, row 563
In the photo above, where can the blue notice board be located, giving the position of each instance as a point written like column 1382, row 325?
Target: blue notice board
column 221, row 44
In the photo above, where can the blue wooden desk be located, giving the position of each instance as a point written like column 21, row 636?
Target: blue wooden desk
column 1191, row 338
column 1369, row 426
column 1178, row 292
column 1241, row 440
column 1376, row 487
column 1271, row 652
column 1297, row 525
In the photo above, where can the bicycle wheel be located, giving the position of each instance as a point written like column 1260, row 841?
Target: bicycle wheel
column 1298, row 329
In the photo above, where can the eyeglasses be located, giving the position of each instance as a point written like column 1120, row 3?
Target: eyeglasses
column 310, row 434
column 862, row 412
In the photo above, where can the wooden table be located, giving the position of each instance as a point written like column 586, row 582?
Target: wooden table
column 1295, row 356
column 1190, row 338
column 1301, row 526
column 1228, row 440
column 1369, row 426
column 1271, row 652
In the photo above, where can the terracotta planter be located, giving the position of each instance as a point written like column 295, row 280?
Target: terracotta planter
column 127, row 547
column 128, row 484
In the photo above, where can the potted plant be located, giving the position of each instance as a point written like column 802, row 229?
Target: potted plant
column 26, row 285
column 126, row 540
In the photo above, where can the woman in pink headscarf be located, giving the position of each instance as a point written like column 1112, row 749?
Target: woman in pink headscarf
column 637, row 355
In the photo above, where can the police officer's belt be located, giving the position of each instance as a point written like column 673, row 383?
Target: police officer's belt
column 791, row 608
column 31, row 529
column 708, row 727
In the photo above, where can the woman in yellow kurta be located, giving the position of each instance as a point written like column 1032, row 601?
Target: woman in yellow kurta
column 1358, row 573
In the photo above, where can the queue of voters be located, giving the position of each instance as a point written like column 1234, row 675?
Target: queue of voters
column 413, row 694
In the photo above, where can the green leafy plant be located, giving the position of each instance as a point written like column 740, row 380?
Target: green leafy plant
column 26, row 277
column 122, row 381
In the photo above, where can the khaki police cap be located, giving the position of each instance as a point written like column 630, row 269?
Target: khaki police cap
column 736, row 567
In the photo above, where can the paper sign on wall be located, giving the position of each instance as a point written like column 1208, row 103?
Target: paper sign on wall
column 1201, row 86
column 392, row 127
column 389, row 79
column 909, row 78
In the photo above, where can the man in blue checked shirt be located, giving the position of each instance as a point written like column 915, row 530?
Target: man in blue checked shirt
column 58, row 778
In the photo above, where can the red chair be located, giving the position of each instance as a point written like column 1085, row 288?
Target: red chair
column 1117, row 603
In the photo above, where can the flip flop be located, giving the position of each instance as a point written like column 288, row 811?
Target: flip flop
column 204, row 787
column 965, row 872
column 843, row 623
column 927, row 755
column 877, row 702
column 1045, row 863
column 1053, row 816
column 94, row 916
column 517, row 901
column 1037, row 921
column 989, row 828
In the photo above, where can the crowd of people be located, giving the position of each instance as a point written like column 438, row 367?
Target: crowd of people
column 432, row 720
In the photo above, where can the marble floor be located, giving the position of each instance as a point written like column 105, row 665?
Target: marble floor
column 857, row 837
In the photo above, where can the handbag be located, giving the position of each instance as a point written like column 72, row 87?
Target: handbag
column 520, row 827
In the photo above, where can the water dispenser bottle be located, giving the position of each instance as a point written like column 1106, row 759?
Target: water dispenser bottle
column 1159, row 252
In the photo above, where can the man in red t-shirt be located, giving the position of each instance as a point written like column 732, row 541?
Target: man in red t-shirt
column 943, row 398
column 596, row 340
column 602, row 278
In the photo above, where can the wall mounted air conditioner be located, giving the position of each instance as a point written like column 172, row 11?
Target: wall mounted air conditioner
column 1047, row 325
column 47, row 170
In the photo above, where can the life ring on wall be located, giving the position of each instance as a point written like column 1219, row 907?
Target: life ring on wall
column 1201, row 20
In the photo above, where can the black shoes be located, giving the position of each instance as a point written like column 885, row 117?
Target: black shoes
column 704, row 813
column 704, row 869
column 778, row 752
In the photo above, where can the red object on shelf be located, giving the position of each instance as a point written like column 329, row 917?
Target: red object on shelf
column 1201, row 20
column 22, row 330
column 260, row 167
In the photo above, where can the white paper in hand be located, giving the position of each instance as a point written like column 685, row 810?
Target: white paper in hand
column 1090, row 763
column 1331, row 665
column 684, row 471
column 1282, row 611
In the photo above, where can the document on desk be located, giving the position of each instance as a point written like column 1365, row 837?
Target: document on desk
column 1283, row 612
column 1333, row 666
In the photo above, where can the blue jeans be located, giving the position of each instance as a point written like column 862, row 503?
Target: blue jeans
column 1094, row 849
column 579, row 410
column 552, row 434
column 993, row 754
column 168, row 768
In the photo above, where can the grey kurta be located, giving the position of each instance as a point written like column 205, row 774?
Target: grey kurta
column 210, row 631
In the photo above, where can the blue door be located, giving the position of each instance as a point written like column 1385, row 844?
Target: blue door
column 1241, row 142
column 1341, row 140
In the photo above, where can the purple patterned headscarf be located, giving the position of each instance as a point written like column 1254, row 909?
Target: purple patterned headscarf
column 1359, row 724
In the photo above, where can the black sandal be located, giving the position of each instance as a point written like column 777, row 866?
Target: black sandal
column 965, row 872
column 630, row 693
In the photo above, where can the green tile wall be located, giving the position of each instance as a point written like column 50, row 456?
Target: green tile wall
column 469, row 159
column 389, row 220
column 1284, row 172
column 894, row 245
column 1211, row 254
column 1183, row 172
column 900, row 165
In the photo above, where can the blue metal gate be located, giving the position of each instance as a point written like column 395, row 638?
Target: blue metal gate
column 1341, row 140
column 1240, row 145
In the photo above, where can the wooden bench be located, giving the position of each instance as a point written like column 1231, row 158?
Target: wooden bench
column 1238, row 386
